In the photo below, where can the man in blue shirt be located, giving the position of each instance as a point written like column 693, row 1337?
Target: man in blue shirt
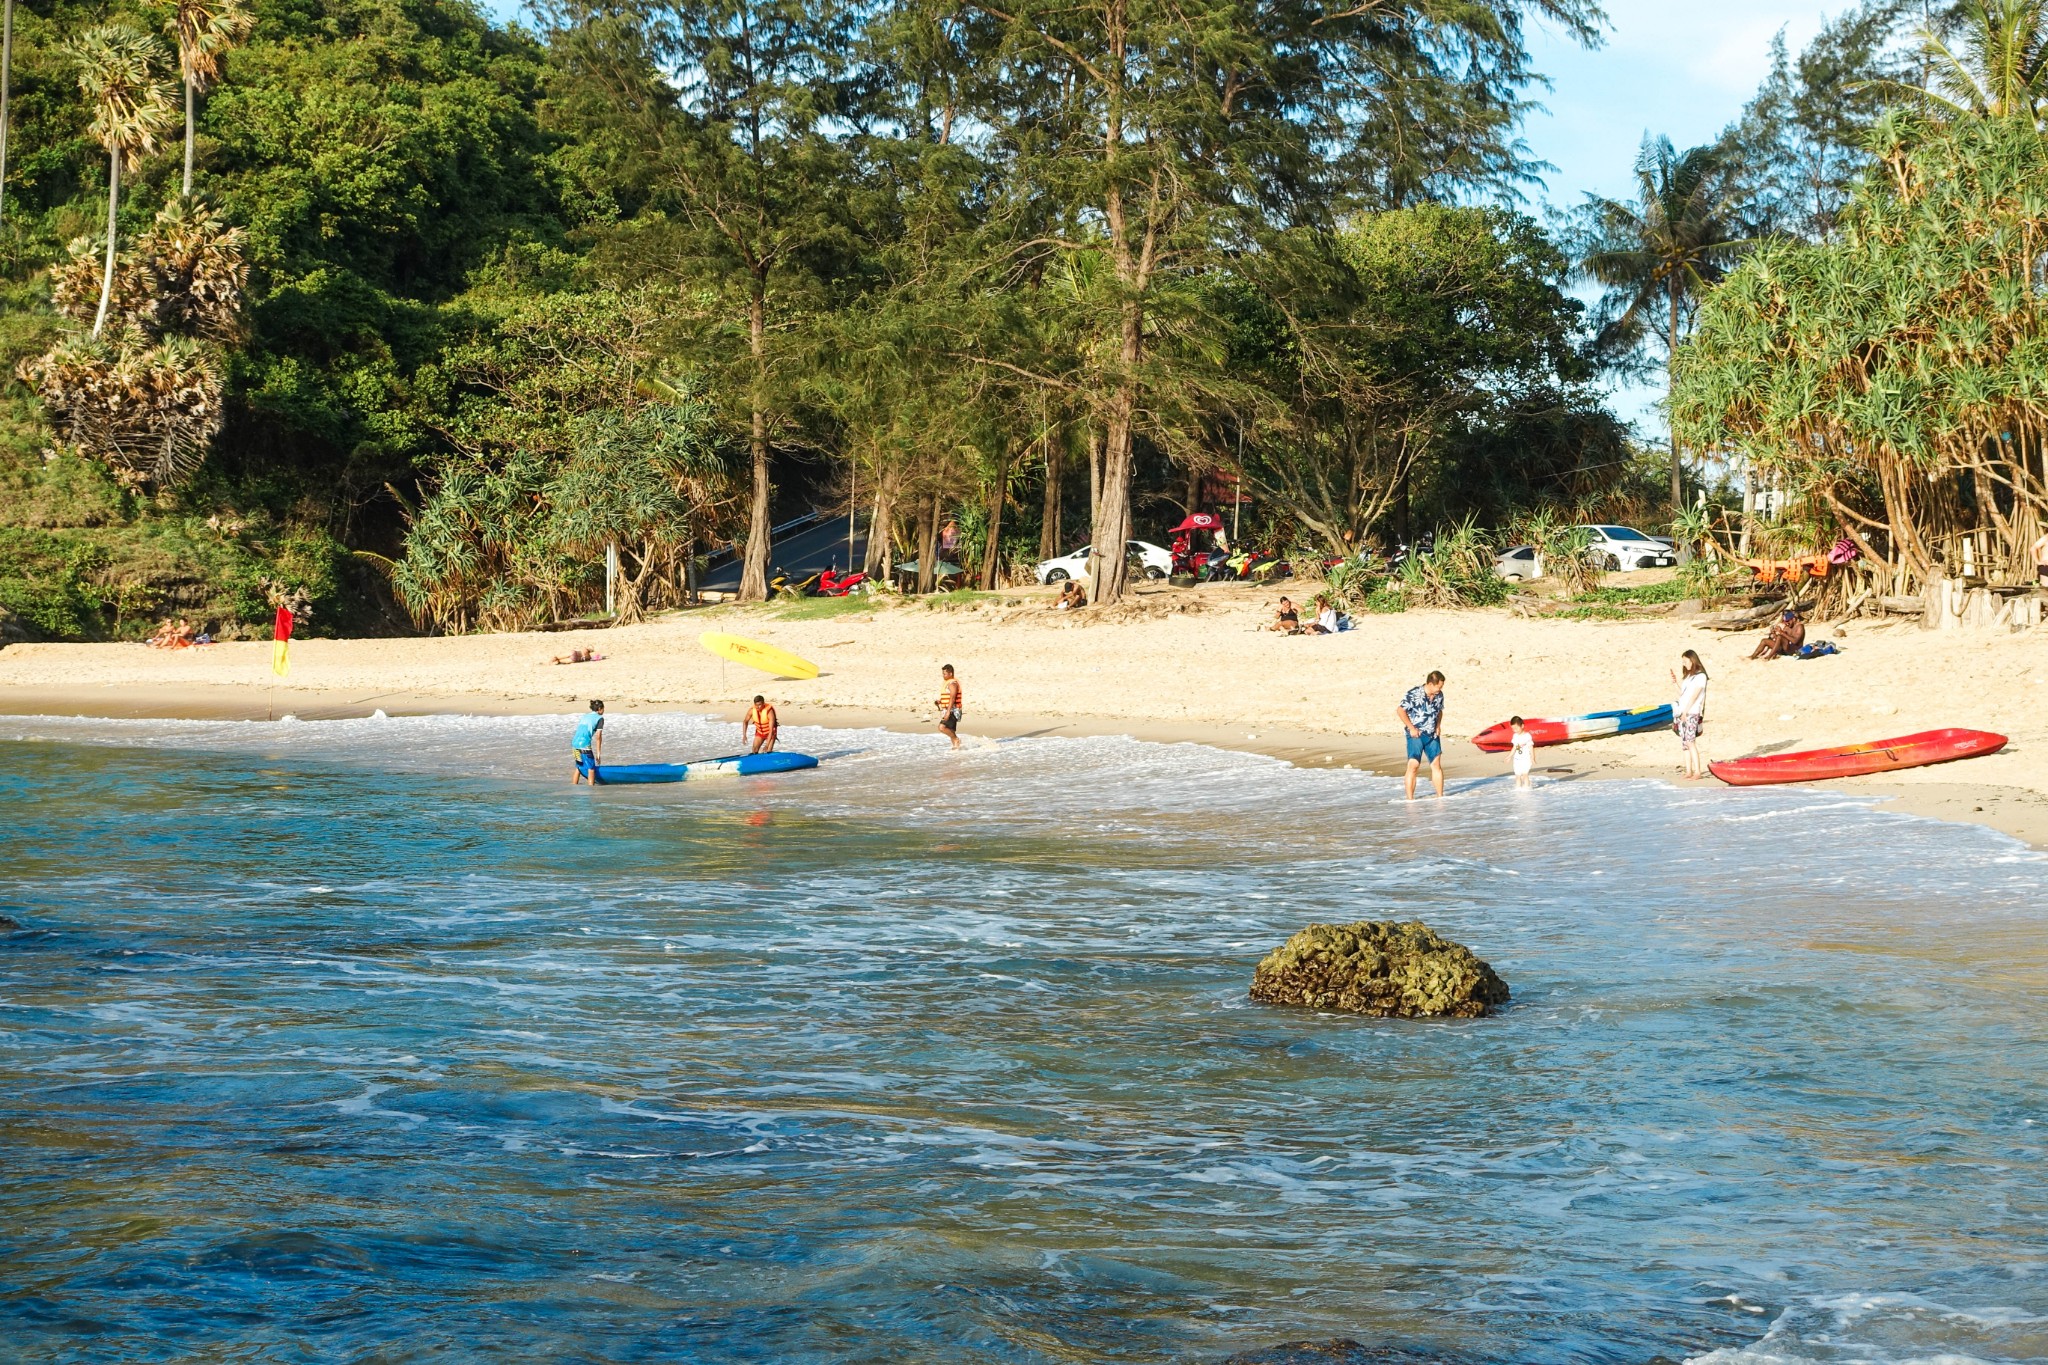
column 589, row 744
column 1421, row 714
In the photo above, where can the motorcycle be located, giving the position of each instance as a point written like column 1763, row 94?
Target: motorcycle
column 832, row 584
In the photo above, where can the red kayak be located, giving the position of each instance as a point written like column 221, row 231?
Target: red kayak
column 1858, row 760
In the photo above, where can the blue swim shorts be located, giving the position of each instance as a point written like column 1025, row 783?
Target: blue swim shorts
column 584, row 766
column 1425, row 748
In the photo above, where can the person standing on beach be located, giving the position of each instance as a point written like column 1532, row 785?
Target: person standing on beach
column 589, row 744
column 1689, row 712
column 762, row 721
column 1421, row 714
column 1523, row 746
column 951, row 703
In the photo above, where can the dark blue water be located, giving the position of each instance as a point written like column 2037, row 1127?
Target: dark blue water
column 376, row 1040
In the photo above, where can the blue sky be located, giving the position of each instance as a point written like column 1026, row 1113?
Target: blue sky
column 1681, row 68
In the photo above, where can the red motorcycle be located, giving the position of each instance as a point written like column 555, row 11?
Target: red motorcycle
column 832, row 584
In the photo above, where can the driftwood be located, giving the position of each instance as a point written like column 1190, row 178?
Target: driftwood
column 1747, row 620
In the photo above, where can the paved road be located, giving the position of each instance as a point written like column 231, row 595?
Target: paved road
column 802, row 552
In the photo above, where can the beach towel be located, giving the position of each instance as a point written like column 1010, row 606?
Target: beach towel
column 1818, row 650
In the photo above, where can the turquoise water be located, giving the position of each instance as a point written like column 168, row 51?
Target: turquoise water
column 376, row 1040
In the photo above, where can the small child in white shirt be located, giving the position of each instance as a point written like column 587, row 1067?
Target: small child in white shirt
column 1524, row 750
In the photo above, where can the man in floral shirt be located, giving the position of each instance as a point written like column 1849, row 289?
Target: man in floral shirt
column 1421, row 714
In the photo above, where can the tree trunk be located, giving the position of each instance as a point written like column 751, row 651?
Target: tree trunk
column 754, row 577
column 1094, row 473
column 6, row 73
column 1109, row 565
column 876, row 562
column 928, row 545
column 1049, row 515
column 113, row 205
column 188, row 136
column 992, row 553
column 1670, row 386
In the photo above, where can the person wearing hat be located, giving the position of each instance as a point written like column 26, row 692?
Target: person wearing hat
column 1783, row 638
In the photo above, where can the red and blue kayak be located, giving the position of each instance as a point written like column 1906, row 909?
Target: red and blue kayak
column 1858, row 760
column 1496, row 739
column 736, row 765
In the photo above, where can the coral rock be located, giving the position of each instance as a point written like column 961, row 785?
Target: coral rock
column 1403, row 971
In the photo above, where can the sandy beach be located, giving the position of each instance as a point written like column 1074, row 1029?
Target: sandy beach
column 1172, row 666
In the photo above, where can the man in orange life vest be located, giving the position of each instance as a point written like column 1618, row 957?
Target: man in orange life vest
column 761, row 720
column 951, row 704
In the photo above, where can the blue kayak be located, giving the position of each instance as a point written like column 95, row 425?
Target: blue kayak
column 737, row 765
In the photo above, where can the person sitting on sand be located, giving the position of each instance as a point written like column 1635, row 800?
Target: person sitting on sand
column 1072, row 597
column 1327, row 621
column 1288, row 619
column 173, row 635
column 1783, row 638
column 578, row 656
column 762, row 721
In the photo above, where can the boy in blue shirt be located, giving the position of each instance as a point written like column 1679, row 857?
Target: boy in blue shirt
column 589, row 744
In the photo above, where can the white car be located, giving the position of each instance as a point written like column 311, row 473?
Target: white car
column 1158, row 563
column 1619, row 548
column 1518, row 563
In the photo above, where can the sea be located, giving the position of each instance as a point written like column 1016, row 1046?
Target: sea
column 377, row 1040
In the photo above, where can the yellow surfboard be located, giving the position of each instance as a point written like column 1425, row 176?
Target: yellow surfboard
column 754, row 654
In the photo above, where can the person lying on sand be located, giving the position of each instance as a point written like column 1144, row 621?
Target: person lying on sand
column 578, row 656
column 1783, row 638
column 1288, row 619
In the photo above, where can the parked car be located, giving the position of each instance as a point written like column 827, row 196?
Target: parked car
column 1158, row 563
column 1616, row 548
column 1518, row 563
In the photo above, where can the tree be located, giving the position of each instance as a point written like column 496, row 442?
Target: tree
column 1167, row 139
column 117, row 70
column 1662, row 252
column 750, row 183
column 1989, row 58
column 1425, row 329
column 204, row 30
column 1795, row 154
column 1893, row 375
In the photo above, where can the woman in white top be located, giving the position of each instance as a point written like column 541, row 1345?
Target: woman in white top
column 1689, row 712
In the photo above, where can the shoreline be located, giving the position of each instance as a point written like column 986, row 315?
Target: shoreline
column 2013, row 810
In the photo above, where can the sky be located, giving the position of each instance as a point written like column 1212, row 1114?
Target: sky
column 1681, row 68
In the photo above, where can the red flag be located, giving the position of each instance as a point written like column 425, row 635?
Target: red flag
column 282, row 634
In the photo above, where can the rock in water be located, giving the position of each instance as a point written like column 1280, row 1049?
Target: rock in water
column 1404, row 971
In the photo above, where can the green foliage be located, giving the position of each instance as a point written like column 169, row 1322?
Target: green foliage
column 555, row 464
column 1416, row 359
column 1893, row 376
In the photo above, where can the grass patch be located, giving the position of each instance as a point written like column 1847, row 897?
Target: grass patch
column 821, row 608
column 1672, row 589
column 1591, row 611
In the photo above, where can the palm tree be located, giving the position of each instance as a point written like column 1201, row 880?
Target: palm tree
column 117, row 69
column 1988, row 57
column 1662, row 252
column 204, row 31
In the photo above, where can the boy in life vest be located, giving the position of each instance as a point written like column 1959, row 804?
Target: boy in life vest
column 951, row 703
column 762, row 723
